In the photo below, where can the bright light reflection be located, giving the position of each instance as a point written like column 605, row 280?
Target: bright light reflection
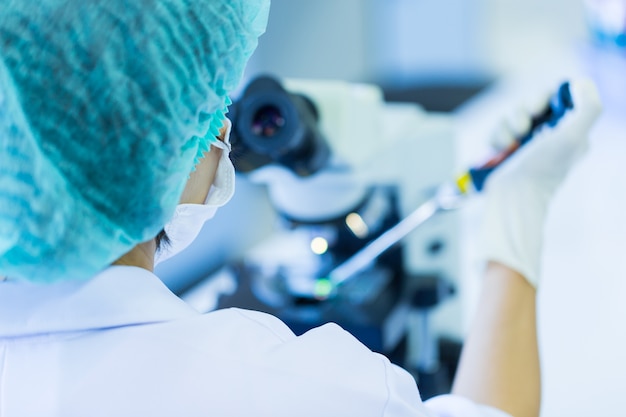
column 357, row 225
column 319, row 245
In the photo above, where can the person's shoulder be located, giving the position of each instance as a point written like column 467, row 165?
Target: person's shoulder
column 319, row 334
column 326, row 340
column 256, row 319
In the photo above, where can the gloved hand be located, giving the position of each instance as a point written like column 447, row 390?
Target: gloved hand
column 518, row 193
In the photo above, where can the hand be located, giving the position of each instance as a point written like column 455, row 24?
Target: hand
column 519, row 192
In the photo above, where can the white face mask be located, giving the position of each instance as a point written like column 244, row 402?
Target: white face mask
column 188, row 219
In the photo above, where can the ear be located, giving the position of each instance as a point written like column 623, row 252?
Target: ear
column 200, row 180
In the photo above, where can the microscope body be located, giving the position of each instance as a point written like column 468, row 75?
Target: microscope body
column 382, row 160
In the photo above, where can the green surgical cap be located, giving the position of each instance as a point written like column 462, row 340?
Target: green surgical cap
column 105, row 106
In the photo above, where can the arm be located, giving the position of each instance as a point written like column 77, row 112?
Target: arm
column 500, row 361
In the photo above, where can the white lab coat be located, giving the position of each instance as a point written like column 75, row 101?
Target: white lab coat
column 122, row 345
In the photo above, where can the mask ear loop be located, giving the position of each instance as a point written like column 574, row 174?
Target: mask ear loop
column 223, row 186
column 226, row 136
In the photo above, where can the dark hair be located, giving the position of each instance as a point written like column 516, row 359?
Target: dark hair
column 162, row 239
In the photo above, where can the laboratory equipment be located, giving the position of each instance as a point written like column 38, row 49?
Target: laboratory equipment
column 447, row 197
column 274, row 125
column 374, row 163
column 342, row 251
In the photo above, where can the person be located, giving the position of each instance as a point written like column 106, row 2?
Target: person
column 112, row 131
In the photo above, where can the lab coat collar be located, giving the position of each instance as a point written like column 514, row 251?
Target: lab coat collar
column 119, row 296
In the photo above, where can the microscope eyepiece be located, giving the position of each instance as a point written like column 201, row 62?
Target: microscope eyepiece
column 267, row 122
column 274, row 126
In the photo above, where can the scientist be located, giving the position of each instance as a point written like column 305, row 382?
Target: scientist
column 112, row 124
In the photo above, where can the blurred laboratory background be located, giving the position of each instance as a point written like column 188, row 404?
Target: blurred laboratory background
column 399, row 96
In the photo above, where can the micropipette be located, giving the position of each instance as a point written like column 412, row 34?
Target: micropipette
column 447, row 197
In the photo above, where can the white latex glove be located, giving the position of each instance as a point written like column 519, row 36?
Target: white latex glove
column 518, row 193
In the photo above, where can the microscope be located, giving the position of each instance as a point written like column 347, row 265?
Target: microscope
column 340, row 167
